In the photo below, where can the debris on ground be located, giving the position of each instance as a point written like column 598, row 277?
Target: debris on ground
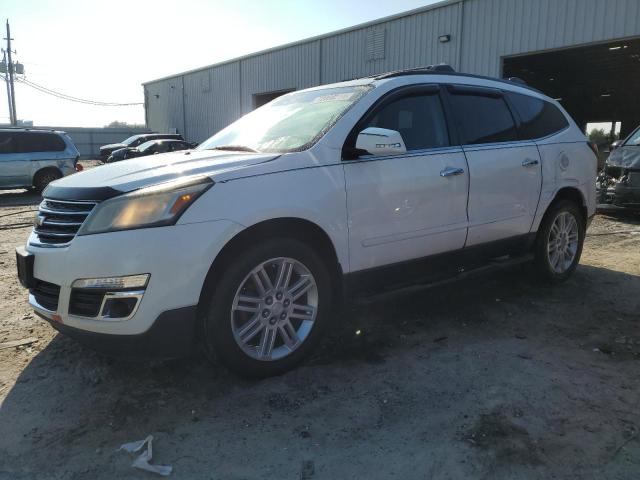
column 144, row 459
column 18, row 343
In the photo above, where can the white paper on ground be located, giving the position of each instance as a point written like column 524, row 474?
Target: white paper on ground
column 142, row 462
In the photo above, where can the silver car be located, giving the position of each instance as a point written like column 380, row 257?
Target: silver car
column 34, row 158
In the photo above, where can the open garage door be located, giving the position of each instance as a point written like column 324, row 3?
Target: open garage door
column 594, row 83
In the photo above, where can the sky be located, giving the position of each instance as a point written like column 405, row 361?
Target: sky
column 104, row 51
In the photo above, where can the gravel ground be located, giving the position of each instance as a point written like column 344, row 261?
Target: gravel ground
column 496, row 377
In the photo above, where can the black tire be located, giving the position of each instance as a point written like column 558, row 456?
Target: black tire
column 44, row 178
column 219, row 340
column 542, row 261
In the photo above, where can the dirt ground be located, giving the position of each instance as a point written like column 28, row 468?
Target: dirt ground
column 498, row 377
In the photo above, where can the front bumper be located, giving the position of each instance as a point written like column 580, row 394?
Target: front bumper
column 173, row 334
column 618, row 198
column 177, row 258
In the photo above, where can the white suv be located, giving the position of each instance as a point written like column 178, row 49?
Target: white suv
column 248, row 243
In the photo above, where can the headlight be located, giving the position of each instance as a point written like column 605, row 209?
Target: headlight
column 148, row 207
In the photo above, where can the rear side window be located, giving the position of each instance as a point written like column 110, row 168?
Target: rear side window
column 538, row 118
column 32, row 142
column 419, row 119
column 482, row 118
column 6, row 143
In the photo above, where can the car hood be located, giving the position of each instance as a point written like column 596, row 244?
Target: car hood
column 625, row 157
column 113, row 146
column 112, row 179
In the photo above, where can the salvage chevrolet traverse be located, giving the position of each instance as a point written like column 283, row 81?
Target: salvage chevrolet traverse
column 248, row 243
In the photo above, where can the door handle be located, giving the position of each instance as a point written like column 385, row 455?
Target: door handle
column 529, row 162
column 451, row 171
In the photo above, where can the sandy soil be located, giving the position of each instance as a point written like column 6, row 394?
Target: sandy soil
column 499, row 377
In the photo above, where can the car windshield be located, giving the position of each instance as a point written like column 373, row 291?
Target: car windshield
column 634, row 139
column 130, row 140
column 289, row 123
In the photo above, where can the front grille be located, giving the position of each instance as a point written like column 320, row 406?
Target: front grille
column 86, row 302
column 46, row 294
column 58, row 221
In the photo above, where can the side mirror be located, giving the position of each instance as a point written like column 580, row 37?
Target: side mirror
column 616, row 144
column 380, row 141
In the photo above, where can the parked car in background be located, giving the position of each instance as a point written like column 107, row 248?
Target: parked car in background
column 135, row 141
column 618, row 185
column 248, row 243
column 150, row 148
column 33, row 158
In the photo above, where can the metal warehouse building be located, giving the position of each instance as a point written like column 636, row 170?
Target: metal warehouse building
column 584, row 52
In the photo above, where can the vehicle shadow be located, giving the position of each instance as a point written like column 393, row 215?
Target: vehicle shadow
column 71, row 408
column 19, row 198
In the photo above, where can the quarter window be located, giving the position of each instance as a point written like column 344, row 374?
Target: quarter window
column 482, row 118
column 538, row 118
column 419, row 119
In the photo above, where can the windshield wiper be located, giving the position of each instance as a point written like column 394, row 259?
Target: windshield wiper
column 236, row 148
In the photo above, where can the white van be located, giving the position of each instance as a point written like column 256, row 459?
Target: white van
column 34, row 158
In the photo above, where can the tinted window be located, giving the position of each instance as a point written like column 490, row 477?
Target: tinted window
column 31, row 142
column 179, row 146
column 418, row 118
column 482, row 119
column 6, row 143
column 538, row 118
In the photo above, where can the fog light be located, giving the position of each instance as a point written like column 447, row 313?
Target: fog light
column 113, row 283
column 119, row 307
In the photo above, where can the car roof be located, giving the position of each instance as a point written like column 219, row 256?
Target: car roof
column 26, row 129
column 436, row 74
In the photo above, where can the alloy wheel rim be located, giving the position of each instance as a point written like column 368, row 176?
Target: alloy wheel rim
column 562, row 245
column 274, row 309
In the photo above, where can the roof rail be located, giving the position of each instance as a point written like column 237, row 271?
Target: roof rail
column 440, row 68
column 516, row 80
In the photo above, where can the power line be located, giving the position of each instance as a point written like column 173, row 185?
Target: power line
column 71, row 98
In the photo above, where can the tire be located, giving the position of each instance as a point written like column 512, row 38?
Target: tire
column 237, row 331
column 558, row 248
column 44, row 178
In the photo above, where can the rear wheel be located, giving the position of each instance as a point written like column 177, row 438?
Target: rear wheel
column 44, row 178
column 559, row 241
column 269, row 309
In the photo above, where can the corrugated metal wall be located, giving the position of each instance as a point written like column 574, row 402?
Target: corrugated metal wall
column 493, row 29
column 200, row 103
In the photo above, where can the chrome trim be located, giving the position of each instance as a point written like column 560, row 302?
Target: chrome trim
column 137, row 294
column 39, row 308
column 60, row 224
column 49, row 245
column 51, row 207
column 451, row 171
column 62, row 212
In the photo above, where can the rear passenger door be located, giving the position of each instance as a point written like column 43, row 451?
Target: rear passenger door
column 406, row 206
column 505, row 174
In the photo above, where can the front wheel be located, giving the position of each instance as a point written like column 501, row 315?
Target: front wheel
column 559, row 241
column 269, row 308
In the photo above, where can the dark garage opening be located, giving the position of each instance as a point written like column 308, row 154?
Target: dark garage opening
column 260, row 99
column 594, row 83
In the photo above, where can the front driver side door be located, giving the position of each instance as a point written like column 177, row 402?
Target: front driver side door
column 406, row 206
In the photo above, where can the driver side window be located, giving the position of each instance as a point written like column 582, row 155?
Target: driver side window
column 419, row 119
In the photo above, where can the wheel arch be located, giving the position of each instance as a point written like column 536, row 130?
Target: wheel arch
column 48, row 168
column 291, row 227
column 573, row 194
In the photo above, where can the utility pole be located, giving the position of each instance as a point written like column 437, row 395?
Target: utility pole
column 6, row 80
column 14, row 115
